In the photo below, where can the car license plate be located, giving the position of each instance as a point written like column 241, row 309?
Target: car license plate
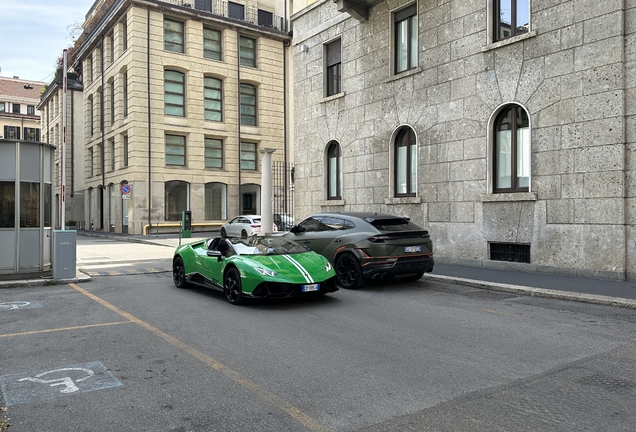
column 312, row 287
column 408, row 249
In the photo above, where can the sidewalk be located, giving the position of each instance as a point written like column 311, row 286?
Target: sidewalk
column 606, row 292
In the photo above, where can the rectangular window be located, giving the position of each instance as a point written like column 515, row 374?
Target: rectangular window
column 16, row 108
column 91, row 119
column 512, row 17
column 213, row 99
column 174, row 86
column 125, row 150
column 12, row 132
column 205, row 5
column 32, row 134
column 211, row 44
column 235, row 10
column 125, row 93
column 334, row 72
column 112, row 154
column 215, row 201
column 247, row 52
column 91, row 161
column 172, row 35
column 2, row 108
column 30, row 110
column 175, row 150
column 111, row 48
column 248, row 156
column 248, row 104
column 406, row 39
column 176, row 199
column 112, row 102
column 29, row 205
column 265, row 18
column 7, row 204
column 124, row 35
column 213, row 153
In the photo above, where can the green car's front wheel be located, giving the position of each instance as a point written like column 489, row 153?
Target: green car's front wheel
column 232, row 286
column 348, row 271
column 178, row 273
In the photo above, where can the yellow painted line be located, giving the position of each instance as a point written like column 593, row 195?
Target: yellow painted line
column 93, row 273
column 285, row 406
column 114, row 273
column 133, row 271
column 62, row 329
column 152, row 270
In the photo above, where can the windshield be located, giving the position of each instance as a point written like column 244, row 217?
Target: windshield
column 395, row 224
column 264, row 245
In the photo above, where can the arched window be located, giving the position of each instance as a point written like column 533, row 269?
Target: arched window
column 177, row 194
column 405, row 163
column 334, row 171
column 215, row 201
column 213, row 99
column 511, row 150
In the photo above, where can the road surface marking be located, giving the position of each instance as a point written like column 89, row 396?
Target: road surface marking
column 285, row 406
column 62, row 329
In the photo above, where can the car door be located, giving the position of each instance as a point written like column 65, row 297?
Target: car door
column 327, row 235
column 305, row 231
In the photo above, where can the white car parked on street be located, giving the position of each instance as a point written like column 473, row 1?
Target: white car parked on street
column 243, row 226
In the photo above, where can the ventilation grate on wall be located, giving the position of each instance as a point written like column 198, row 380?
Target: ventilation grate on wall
column 512, row 252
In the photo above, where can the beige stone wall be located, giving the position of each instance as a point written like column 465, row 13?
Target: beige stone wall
column 145, row 163
column 570, row 73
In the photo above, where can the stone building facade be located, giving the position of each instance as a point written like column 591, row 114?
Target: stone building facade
column 51, row 107
column 508, row 133
column 179, row 97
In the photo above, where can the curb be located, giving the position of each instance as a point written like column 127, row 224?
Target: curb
column 18, row 283
column 537, row 292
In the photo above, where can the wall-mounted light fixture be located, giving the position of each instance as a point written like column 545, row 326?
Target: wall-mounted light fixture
column 304, row 48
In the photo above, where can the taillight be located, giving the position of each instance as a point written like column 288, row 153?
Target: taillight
column 255, row 226
column 377, row 239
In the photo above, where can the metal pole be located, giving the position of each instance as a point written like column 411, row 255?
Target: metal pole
column 267, row 219
column 63, row 164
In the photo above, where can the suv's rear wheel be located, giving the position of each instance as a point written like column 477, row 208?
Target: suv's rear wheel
column 348, row 271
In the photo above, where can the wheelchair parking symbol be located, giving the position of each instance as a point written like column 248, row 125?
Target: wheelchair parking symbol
column 27, row 387
column 13, row 305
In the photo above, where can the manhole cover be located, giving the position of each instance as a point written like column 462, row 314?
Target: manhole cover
column 490, row 295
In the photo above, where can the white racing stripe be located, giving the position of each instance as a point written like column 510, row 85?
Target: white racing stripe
column 300, row 268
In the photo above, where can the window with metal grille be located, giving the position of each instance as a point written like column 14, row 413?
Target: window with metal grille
column 512, row 252
column 205, row 5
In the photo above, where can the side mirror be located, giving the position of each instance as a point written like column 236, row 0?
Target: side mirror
column 296, row 229
column 213, row 253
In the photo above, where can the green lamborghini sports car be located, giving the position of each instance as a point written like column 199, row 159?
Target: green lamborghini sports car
column 253, row 267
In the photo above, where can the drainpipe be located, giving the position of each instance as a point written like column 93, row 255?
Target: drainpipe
column 285, row 188
column 149, row 124
column 103, row 149
column 625, row 152
column 238, row 83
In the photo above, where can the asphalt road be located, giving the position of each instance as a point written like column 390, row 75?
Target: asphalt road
column 134, row 353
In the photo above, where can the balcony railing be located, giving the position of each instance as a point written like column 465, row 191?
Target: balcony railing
column 236, row 11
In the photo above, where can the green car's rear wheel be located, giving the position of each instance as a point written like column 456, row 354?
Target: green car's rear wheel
column 178, row 273
column 348, row 271
column 232, row 286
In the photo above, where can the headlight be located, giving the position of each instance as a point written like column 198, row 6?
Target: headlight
column 328, row 266
column 266, row 272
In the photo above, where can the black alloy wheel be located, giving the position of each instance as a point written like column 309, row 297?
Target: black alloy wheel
column 348, row 271
column 232, row 286
column 243, row 234
column 223, row 233
column 178, row 273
